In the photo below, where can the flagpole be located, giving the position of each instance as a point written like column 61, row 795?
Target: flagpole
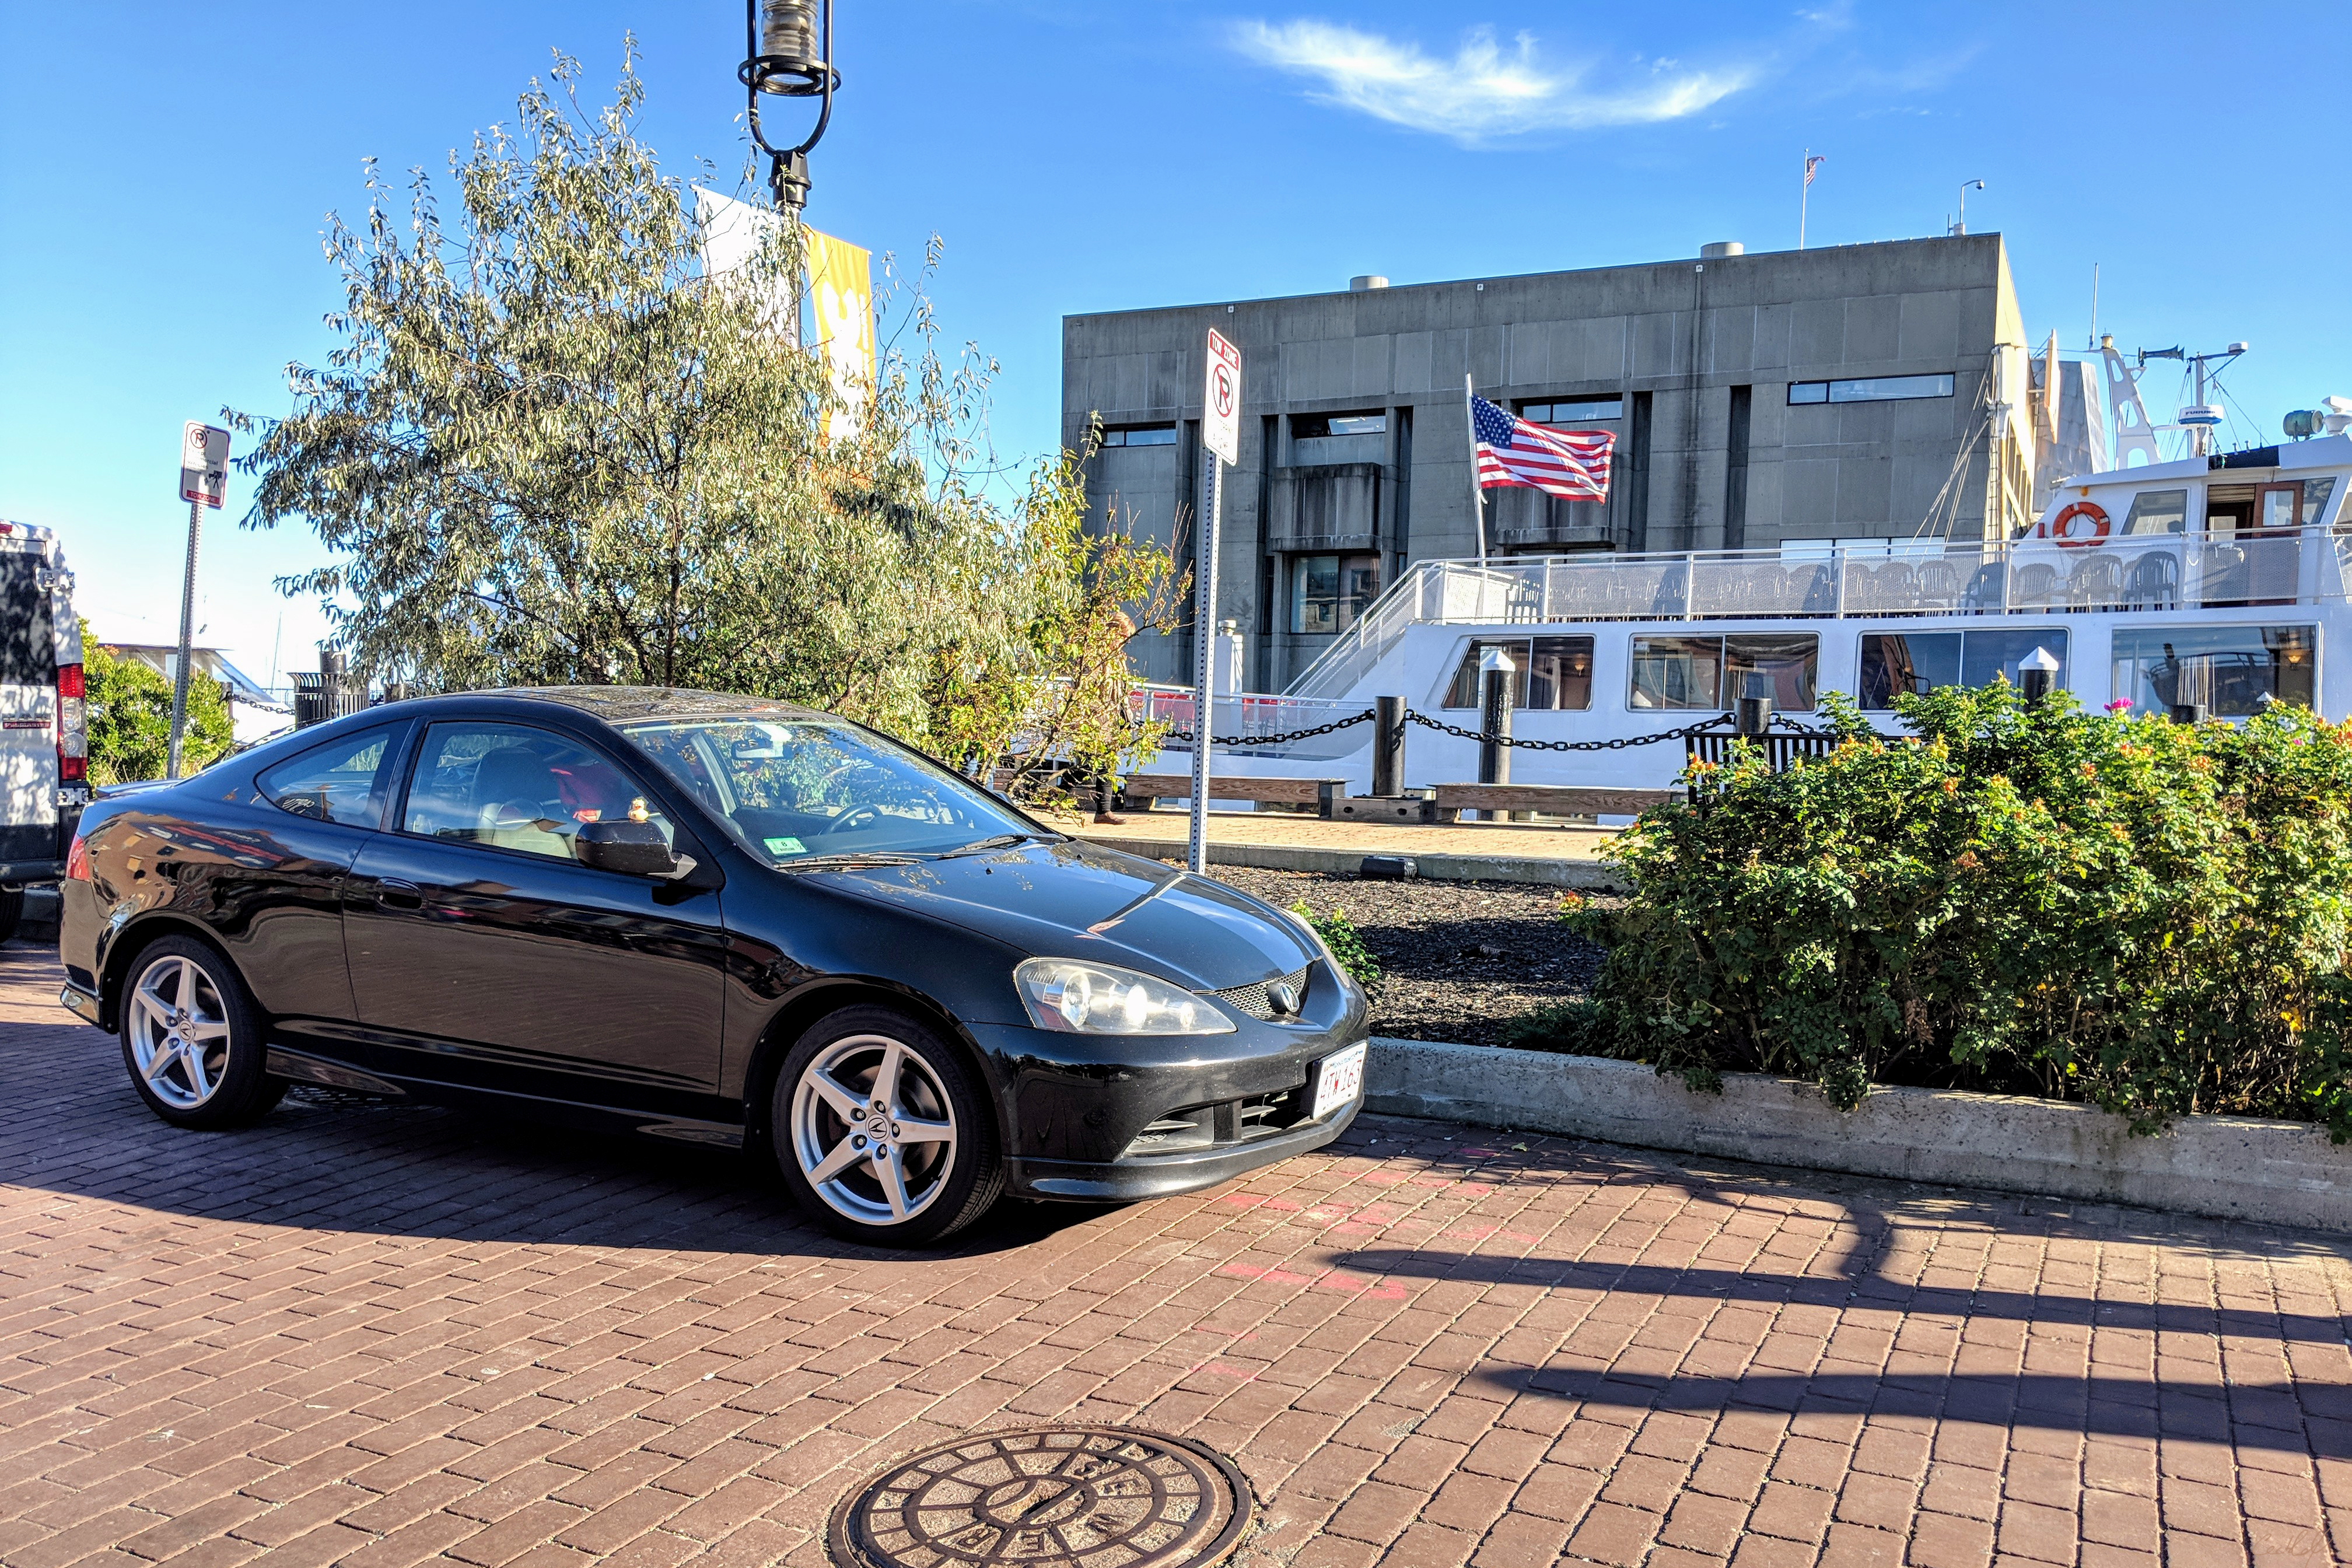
column 1804, row 195
column 1477, row 496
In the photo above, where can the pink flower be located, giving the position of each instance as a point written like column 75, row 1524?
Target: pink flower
column 2119, row 704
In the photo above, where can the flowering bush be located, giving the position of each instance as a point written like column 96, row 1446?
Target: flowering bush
column 2145, row 915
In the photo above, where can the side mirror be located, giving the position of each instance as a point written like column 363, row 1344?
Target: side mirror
column 632, row 848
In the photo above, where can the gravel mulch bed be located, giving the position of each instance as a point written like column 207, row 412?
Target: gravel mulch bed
column 1461, row 958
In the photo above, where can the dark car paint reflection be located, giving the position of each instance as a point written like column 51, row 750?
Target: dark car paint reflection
column 483, row 975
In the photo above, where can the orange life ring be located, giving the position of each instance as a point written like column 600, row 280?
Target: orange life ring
column 2056, row 529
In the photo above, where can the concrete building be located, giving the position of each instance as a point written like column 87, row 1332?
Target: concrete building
column 1859, row 392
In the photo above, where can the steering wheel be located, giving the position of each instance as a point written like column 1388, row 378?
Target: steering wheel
column 856, row 814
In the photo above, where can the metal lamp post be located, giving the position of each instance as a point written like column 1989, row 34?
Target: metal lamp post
column 1965, row 186
column 788, row 50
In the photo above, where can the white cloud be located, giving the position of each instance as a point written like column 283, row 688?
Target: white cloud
column 1482, row 93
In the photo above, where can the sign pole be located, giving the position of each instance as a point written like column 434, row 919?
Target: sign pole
column 1204, row 622
column 203, row 481
column 188, row 635
column 1220, row 438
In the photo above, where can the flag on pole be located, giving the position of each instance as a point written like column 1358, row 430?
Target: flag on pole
column 1813, row 162
column 1570, row 464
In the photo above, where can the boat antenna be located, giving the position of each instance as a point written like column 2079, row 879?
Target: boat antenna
column 2093, row 346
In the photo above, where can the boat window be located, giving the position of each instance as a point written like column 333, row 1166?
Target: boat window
column 2157, row 511
column 2226, row 669
column 1328, row 591
column 2314, row 500
column 1556, row 673
column 1682, row 672
column 1870, row 389
column 1921, row 662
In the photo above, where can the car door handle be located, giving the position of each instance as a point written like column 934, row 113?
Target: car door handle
column 394, row 894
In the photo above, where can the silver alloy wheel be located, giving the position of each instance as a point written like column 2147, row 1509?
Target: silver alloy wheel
column 179, row 1032
column 873, row 1130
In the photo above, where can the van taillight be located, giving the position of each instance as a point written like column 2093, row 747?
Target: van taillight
column 73, row 727
column 77, row 861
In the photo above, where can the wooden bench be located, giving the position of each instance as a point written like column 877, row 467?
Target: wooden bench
column 1553, row 800
column 1145, row 787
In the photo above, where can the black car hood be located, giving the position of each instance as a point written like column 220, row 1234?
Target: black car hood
column 1075, row 900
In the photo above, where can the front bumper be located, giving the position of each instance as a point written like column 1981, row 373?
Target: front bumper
column 1106, row 1118
column 1166, row 1175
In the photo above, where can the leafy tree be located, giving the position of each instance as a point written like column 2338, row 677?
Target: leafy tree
column 553, row 449
column 129, row 706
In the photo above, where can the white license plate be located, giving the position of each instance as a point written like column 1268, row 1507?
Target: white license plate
column 1340, row 1081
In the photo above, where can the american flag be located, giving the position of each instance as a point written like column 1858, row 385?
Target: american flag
column 1813, row 162
column 1570, row 464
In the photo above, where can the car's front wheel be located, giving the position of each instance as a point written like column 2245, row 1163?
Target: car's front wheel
column 192, row 1038
column 881, row 1131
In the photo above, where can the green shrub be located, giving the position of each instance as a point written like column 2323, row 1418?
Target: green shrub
column 2143, row 915
column 1347, row 946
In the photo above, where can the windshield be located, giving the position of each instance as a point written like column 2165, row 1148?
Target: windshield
column 795, row 791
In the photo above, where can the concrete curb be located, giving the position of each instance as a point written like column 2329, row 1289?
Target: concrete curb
column 1589, row 875
column 2276, row 1173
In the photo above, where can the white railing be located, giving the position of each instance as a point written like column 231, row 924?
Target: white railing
column 1252, row 715
column 2161, row 571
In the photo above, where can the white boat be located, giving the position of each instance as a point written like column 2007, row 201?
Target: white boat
column 2215, row 583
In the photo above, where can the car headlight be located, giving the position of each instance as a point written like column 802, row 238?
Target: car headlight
column 1099, row 999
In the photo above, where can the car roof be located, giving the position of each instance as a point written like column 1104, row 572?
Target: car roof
column 626, row 704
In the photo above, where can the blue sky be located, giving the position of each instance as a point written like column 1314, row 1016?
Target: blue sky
column 163, row 174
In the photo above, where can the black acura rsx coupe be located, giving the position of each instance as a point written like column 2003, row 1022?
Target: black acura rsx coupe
column 708, row 918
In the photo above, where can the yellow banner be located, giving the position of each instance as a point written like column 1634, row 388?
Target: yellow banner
column 841, row 301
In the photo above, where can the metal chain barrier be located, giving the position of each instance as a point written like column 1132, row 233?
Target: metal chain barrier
column 1620, row 743
column 1336, row 724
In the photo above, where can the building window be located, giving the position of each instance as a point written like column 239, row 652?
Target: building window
column 1140, row 436
column 1922, row 662
column 1311, row 426
column 1578, row 411
column 1708, row 672
column 1870, row 389
column 1328, row 591
column 2229, row 670
column 1554, row 672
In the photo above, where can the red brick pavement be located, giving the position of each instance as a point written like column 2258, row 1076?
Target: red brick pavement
column 371, row 1334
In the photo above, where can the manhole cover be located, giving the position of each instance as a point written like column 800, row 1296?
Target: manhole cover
column 1047, row 1496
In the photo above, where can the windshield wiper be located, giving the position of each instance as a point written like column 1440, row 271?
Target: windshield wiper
column 1000, row 841
column 845, row 861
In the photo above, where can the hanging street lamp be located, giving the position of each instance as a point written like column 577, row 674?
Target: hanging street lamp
column 787, row 48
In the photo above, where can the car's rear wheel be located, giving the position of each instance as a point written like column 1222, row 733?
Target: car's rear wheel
column 881, row 1131
column 192, row 1038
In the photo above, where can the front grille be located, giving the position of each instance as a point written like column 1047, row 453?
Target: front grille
column 1253, row 999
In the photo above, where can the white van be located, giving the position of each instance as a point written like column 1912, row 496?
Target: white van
column 44, row 728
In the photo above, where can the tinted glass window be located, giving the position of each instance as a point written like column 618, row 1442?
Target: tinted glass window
column 1677, row 672
column 789, row 791
column 1788, row 667
column 512, row 787
column 1923, row 661
column 28, row 657
column 2157, row 511
column 1328, row 591
column 341, row 781
column 2226, row 669
column 1554, row 672
column 1895, row 666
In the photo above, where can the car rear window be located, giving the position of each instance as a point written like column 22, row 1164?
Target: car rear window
column 27, row 655
column 341, row 781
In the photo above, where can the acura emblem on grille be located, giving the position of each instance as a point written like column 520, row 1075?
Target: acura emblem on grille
column 1283, row 995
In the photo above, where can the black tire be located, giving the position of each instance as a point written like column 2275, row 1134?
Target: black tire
column 943, row 1184
column 212, row 1079
column 11, row 911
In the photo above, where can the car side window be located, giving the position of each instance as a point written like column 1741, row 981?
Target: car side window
column 509, row 786
column 341, row 781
